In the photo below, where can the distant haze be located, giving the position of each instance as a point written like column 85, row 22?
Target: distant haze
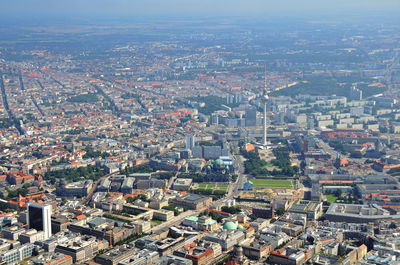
column 187, row 8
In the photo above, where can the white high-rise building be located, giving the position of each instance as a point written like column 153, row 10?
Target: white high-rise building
column 190, row 142
column 39, row 218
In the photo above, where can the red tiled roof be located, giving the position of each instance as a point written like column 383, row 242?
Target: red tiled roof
column 80, row 217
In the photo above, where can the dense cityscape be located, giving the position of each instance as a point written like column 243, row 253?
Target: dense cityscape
column 225, row 141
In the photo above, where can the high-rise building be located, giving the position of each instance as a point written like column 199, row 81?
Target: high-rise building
column 190, row 142
column 39, row 218
column 355, row 93
column 251, row 116
column 214, row 119
column 234, row 98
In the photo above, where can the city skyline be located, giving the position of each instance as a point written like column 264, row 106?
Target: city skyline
column 286, row 8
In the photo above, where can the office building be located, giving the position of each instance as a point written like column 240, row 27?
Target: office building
column 78, row 189
column 190, row 142
column 17, row 254
column 358, row 213
column 251, row 116
column 214, row 118
column 355, row 93
column 53, row 259
column 313, row 210
column 39, row 218
column 193, row 202
column 182, row 184
column 81, row 248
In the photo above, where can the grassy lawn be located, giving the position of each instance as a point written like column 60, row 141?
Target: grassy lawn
column 272, row 183
column 222, row 187
column 155, row 222
column 211, row 187
column 202, row 186
column 331, row 198
column 270, row 166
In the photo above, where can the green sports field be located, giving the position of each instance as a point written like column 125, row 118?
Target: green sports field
column 273, row 183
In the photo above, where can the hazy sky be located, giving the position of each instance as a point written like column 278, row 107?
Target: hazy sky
column 195, row 7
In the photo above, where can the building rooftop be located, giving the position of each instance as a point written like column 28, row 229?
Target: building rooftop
column 192, row 218
column 230, row 226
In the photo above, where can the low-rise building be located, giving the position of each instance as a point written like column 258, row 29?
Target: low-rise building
column 313, row 210
column 31, row 236
column 193, row 202
column 358, row 213
column 289, row 228
column 116, row 255
column 13, row 256
column 266, row 212
column 143, row 256
column 257, row 249
column 182, row 184
column 127, row 185
column 259, row 224
column 52, row 259
column 81, row 248
column 12, row 233
column 203, row 223
column 227, row 238
column 163, row 215
column 142, row 227
column 198, row 255
column 290, row 256
column 158, row 204
column 151, row 183
column 100, row 227
column 172, row 259
column 74, row 189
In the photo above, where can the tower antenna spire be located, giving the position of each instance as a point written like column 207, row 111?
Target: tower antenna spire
column 265, row 100
column 265, row 78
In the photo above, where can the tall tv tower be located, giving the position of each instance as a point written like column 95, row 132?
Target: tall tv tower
column 265, row 100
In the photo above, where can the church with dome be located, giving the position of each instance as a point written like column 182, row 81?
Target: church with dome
column 218, row 166
column 218, row 171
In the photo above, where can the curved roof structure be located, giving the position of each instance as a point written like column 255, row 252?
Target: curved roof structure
column 230, row 226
